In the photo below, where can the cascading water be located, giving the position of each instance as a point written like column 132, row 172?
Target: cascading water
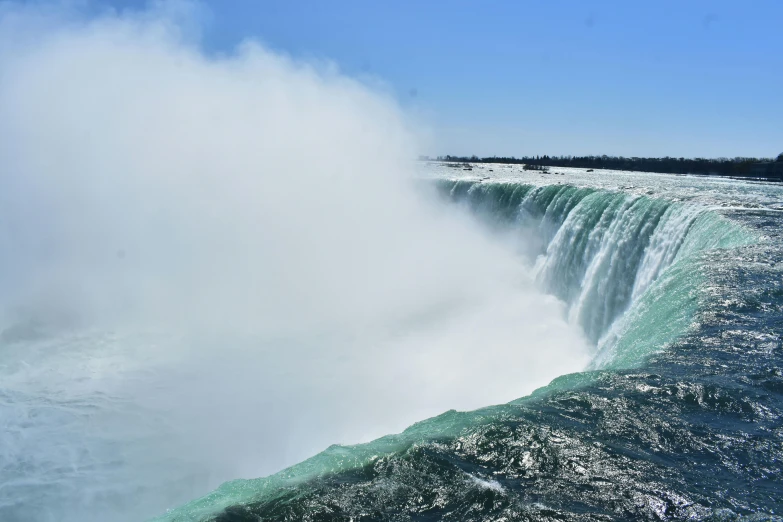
column 635, row 272
column 602, row 252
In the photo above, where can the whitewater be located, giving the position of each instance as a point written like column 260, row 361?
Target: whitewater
column 220, row 268
column 676, row 281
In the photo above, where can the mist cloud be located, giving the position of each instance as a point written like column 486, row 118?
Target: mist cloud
column 237, row 265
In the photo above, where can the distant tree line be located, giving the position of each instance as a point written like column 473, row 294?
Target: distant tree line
column 767, row 168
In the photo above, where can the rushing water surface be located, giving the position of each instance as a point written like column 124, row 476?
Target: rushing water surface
column 677, row 281
column 674, row 281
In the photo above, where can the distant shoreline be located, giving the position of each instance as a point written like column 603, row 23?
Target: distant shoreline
column 765, row 169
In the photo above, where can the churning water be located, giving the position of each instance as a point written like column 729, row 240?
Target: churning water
column 676, row 281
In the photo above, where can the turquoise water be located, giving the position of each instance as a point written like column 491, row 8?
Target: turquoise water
column 640, row 274
column 611, row 254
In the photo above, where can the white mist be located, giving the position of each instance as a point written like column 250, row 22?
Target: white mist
column 216, row 266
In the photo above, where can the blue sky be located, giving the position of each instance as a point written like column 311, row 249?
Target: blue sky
column 546, row 77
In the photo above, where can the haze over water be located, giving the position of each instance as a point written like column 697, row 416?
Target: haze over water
column 215, row 267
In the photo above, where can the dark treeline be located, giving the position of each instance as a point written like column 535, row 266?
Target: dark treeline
column 740, row 167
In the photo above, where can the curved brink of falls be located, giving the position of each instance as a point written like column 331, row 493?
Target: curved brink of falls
column 629, row 267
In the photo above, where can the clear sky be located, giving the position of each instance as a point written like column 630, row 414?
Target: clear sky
column 512, row 77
